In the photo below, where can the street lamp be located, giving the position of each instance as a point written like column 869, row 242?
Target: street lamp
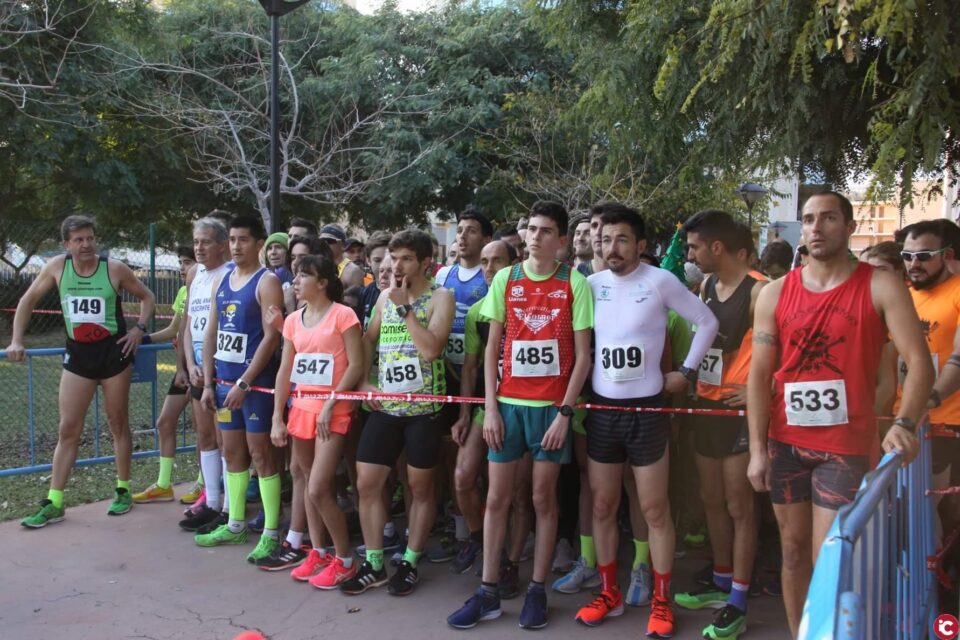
column 751, row 192
column 275, row 9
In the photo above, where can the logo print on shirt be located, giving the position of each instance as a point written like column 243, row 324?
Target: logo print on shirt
column 229, row 313
column 928, row 326
column 814, row 347
column 517, row 291
column 536, row 321
column 559, row 295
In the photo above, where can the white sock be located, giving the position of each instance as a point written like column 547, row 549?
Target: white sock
column 271, row 533
column 236, row 526
column 210, row 468
column 295, row 538
column 347, row 562
column 389, row 530
column 463, row 531
column 226, row 494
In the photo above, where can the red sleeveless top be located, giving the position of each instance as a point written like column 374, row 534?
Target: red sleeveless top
column 830, row 345
column 538, row 351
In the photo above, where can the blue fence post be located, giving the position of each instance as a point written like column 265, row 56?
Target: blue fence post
column 31, row 417
column 850, row 617
column 96, row 423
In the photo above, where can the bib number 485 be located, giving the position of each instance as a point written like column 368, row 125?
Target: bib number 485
column 535, row 358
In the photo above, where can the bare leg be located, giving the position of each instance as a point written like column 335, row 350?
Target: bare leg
column 303, row 514
column 373, row 515
column 322, row 497
column 76, row 393
column 719, row 523
column 796, row 524
column 423, row 506
column 741, row 505
column 605, row 480
column 167, row 421
column 470, row 458
column 652, row 487
column 499, row 498
column 521, row 508
column 545, row 475
column 116, row 399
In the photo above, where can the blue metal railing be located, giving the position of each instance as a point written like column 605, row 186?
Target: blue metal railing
column 871, row 578
column 145, row 371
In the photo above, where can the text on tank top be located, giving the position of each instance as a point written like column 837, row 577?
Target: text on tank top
column 830, row 345
column 198, row 306
column 240, row 330
column 91, row 306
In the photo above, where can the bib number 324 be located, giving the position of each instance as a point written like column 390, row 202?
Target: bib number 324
column 816, row 404
column 231, row 347
column 535, row 358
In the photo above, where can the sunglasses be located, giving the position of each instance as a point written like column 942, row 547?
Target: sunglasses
column 330, row 240
column 922, row 256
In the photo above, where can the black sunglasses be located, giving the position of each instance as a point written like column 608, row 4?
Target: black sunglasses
column 922, row 256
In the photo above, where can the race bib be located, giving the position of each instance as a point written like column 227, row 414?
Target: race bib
column 535, row 358
column 455, row 352
column 198, row 326
column 902, row 368
column 231, row 347
column 621, row 362
column 313, row 369
column 711, row 369
column 401, row 376
column 83, row 309
column 816, row 404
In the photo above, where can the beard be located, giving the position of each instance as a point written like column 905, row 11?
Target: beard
column 930, row 281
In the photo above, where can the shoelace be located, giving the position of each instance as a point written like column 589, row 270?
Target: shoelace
column 603, row 602
column 660, row 610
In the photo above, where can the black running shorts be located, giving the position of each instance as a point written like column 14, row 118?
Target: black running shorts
column 614, row 437
column 719, row 436
column 385, row 437
column 99, row 360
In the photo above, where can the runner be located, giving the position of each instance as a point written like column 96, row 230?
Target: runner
column 210, row 243
column 820, row 421
column 582, row 244
column 177, row 398
column 545, row 310
column 632, row 304
column 274, row 258
column 350, row 274
column 496, row 255
column 375, row 250
column 301, row 228
column 241, row 354
column 409, row 330
column 720, row 248
column 322, row 351
column 99, row 350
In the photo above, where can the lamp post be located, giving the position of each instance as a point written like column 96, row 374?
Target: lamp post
column 751, row 192
column 275, row 9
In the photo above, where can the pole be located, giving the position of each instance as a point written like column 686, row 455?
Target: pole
column 153, row 269
column 274, row 122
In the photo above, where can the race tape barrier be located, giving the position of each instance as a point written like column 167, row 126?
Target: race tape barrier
column 57, row 312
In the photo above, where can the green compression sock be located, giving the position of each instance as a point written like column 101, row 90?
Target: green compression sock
column 56, row 497
column 237, row 482
column 411, row 556
column 166, row 470
column 123, row 484
column 588, row 551
column 270, row 497
column 375, row 558
column 641, row 553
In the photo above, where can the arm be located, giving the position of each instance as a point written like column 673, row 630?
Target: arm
column 129, row 282
column 556, row 435
column 886, row 381
column 949, row 380
column 370, row 340
column 169, row 332
column 353, row 343
column 431, row 341
column 44, row 281
column 352, row 276
column 893, row 300
column 492, row 422
column 468, row 384
column 763, row 362
column 281, row 392
column 208, row 400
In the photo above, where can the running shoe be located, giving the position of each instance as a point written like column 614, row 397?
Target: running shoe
column 563, row 557
column 312, row 565
column 253, row 489
column 581, row 576
column 122, row 502
column 366, row 578
column 286, row 556
column 729, row 622
column 398, row 506
column 641, row 586
column 660, row 622
column 534, row 612
column 333, row 575
column 466, row 557
column 193, row 495
column 608, row 603
column 264, row 549
column 221, row 519
column 219, row 536
column 48, row 514
column 712, row 597
column 397, row 556
column 509, row 582
column 444, row 551
column 481, row 606
column 154, row 493
column 197, row 504
column 390, row 544
column 404, row 580
column 256, row 524
column 704, row 576
column 205, row 516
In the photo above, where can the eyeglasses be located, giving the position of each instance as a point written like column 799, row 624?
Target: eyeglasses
column 330, row 240
column 922, row 256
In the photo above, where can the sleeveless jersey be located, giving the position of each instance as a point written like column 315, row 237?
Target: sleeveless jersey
column 91, row 306
column 240, row 331
column 538, row 350
column 465, row 294
column 340, row 267
column 830, row 345
column 401, row 368
column 728, row 360
column 198, row 305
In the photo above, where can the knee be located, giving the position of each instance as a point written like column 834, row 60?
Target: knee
column 119, row 425
column 464, row 478
column 605, row 506
column 740, row 507
column 368, row 488
column 421, row 490
column 544, row 500
column 795, row 551
column 712, row 497
column 498, row 501
column 263, row 460
column 69, row 432
column 319, row 490
column 656, row 512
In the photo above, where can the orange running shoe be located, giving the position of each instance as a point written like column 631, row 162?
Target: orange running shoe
column 333, row 574
column 608, row 603
column 660, row 624
column 314, row 564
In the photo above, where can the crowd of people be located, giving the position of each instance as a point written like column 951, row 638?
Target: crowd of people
column 789, row 359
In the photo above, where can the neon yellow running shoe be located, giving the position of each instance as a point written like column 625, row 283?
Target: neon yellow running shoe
column 193, row 495
column 154, row 493
column 48, row 514
column 263, row 550
column 220, row 535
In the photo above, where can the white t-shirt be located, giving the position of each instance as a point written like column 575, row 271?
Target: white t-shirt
column 630, row 327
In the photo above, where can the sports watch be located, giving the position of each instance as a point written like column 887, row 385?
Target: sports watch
column 403, row 310
column 243, row 384
column 688, row 373
column 566, row 411
column 142, row 327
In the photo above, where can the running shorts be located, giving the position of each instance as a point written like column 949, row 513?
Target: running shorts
column 614, row 437
column 99, row 360
column 719, row 436
column 386, row 436
column 523, row 430
column 255, row 415
column 799, row 474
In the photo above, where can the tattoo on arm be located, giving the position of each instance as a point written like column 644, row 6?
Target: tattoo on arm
column 762, row 337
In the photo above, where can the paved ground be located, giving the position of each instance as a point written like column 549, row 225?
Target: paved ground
column 139, row 576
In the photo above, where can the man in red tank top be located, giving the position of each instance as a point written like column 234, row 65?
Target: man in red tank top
column 818, row 335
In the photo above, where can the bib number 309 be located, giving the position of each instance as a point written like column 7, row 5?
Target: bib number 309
column 535, row 358
column 621, row 362
column 816, row 404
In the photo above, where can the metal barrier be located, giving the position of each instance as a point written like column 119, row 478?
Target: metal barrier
column 33, row 403
column 871, row 578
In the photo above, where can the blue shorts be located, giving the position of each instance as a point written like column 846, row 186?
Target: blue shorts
column 255, row 416
column 523, row 430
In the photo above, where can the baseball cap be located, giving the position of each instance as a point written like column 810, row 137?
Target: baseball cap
column 333, row 231
column 350, row 242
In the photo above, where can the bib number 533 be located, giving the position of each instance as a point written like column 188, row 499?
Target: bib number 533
column 822, row 403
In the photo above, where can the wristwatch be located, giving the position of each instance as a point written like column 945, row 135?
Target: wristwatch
column 142, row 327
column 403, row 310
column 243, row 384
column 905, row 423
column 687, row 373
column 566, row 411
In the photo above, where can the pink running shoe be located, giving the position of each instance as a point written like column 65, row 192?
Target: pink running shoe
column 333, row 575
column 197, row 506
column 313, row 565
